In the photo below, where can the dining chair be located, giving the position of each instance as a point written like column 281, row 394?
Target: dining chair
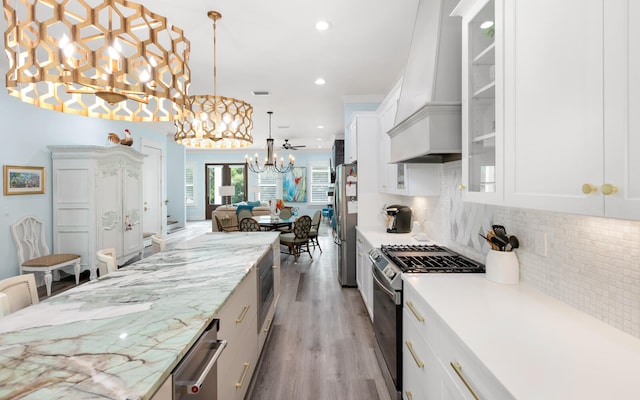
column 285, row 213
column 298, row 239
column 315, row 226
column 249, row 225
column 17, row 292
column 244, row 213
column 222, row 228
column 34, row 255
column 158, row 244
column 106, row 261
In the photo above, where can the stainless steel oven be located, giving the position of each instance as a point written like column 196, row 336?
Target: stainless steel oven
column 388, row 265
column 265, row 286
column 387, row 326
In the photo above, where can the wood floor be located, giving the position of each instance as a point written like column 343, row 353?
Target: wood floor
column 321, row 343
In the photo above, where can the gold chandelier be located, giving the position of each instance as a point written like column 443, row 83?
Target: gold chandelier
column 114, row 60
column 215, row 122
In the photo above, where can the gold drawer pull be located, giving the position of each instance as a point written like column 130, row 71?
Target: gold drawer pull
column 269, row 321
column 608, row 189
column 419, row 363
column 458, row 368
column 244, row 375
column 243, row 314
column 415, row 312
column 409, row 395
column 274, row 267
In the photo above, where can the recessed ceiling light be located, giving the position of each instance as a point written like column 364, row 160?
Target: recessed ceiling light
column 323, row 25
column 320, row 81
column 320, row 126
column 319, row 139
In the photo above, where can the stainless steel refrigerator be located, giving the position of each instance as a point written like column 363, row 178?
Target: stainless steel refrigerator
column 346, row 217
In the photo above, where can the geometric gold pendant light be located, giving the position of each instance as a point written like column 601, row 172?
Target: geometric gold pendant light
column 215, row 122
column 110, row 59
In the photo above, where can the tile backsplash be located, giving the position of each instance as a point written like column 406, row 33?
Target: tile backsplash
column 592, row 263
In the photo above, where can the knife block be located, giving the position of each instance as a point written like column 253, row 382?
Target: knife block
column 502, row 267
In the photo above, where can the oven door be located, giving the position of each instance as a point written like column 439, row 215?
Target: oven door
column 387, row 328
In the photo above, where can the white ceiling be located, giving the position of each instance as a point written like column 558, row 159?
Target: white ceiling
column 274, row 46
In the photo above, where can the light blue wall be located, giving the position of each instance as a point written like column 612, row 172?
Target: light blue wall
column 199, row 158
column 175, row 183
column 350, row 108
column 25, row 134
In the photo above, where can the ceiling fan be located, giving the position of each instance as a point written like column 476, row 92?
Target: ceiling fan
column 289, row 146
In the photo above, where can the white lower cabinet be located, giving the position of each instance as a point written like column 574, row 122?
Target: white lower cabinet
column 436, row 363
column 363, row 272
column 239, row 327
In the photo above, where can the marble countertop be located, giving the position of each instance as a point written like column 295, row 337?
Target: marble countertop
column 119, row 337
column 535, row 345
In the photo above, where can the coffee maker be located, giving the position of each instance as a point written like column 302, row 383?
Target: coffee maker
column 398, row 219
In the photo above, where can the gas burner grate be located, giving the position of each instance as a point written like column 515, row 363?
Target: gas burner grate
column 429, row 258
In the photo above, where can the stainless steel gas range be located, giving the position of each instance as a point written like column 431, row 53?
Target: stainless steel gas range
column 388, row 265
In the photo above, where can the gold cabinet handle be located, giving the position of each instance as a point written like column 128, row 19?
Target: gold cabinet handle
column 274, row 267
column 419, row 363
column 458, row 368
column 243, row 314
column 608, row 189
column 244, row 375
column 461, row 187
column 269, row 321
column 588, row 188
column 414, row 311
column 409, row 395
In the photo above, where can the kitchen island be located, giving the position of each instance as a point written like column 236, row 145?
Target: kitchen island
column 120, row 336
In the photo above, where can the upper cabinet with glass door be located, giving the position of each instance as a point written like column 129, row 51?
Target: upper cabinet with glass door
column 482, row 138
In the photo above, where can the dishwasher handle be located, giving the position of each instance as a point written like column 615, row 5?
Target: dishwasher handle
column 194, row 386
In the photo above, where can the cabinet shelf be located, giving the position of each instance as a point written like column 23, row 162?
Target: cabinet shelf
column 486, row 92
column 486, row 56
column 486, row 136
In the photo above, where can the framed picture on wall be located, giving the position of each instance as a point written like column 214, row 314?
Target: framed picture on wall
column 23, row 180
column 294, row 185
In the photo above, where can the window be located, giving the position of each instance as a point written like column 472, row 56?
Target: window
column 189, row 189
column 268, row 184
column 320, row 182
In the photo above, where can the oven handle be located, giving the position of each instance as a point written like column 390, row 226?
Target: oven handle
column 394, row 296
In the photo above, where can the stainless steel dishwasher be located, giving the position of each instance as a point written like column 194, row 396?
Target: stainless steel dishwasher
column 197, row 374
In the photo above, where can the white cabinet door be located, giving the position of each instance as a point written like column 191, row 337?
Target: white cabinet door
column 622, row 103
column 553, row 104
column 351, row 142
column 482, row 100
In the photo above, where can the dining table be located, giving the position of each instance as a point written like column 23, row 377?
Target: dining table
column 271, row 222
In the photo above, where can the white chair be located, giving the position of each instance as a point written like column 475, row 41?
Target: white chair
column 17, row 292
column 33, row 252
column 106, row 261
column 158, row 243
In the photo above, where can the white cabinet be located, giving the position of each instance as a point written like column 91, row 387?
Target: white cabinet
column 365, row 125
column 238, row 325
column 363, row 272
column 436, row 363
column 482, row 100
column 571, row 89
column 97, row 201
column 351, row 142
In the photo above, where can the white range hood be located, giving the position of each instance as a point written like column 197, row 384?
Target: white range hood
column 428, row 124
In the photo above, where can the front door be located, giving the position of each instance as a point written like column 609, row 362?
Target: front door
column 217, row 175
